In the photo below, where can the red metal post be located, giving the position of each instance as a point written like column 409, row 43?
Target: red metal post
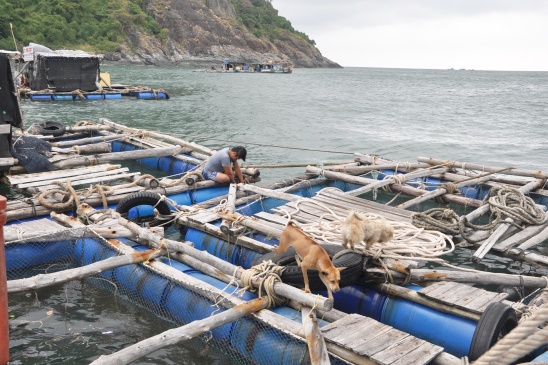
column 4, row 324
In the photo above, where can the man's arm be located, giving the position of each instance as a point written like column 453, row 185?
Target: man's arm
column 238, row 172
column 228, row 171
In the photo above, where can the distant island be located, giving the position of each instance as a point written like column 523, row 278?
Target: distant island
column 190, row 32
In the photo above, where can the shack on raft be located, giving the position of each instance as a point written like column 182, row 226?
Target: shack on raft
column 71, row 75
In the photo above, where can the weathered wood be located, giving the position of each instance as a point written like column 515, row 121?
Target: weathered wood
column 467, row 165
column 478, row 277
column 520, row 237
column 35, row 228
column 230, row 207
column 414, row 296
column 83, row 141
column 95, row 180
column 394, row 187
column 490, row 242
column 399, row 179
column 169, row 138
column 94, row 148
column 279, row 288
column 75, row 180
column 269, row 192
column 441, row 191
column 314, row 338
column 485, row 208
column 253, row 224
column 53, row 175
column 533, row 241
column 45, row 280
column 176, row 335
column 118, row 156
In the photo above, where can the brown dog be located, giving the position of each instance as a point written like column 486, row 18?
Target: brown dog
column 313, row 256
column 357, row 228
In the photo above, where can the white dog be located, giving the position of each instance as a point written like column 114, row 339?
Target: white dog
column 358, row 228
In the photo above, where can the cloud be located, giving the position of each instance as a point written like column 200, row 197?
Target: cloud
column 488, row 34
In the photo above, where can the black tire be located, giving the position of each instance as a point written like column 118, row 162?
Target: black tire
column 145, row 198
column 50, row 127
column 496, row 321
column 293, row 274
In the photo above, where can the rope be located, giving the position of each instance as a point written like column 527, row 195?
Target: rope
column 408, row 241
column 68, row 192
column 523, row 339
column 505, row 201
column 269, row 274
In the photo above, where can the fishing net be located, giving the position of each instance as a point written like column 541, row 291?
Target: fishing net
column 33, row 154
column 178, row 296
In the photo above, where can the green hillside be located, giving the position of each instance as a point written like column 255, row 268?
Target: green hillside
column 102, row 25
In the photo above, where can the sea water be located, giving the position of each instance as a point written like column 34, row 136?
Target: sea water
column 313, row 116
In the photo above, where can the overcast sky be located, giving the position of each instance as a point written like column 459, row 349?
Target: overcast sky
column 440, row 34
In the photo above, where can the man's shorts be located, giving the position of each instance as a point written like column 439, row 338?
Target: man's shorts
column 210, row 175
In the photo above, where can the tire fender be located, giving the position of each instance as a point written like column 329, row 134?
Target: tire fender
column 50, row 127
column 496, row 321
column 145, row 198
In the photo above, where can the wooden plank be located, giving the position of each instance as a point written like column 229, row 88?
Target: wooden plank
column 461, row 302
column 73, row 179
column 48, row 175
column 458, row 292
column 520, row 237
column 398, row 350
column 359, row 324
column 356, row 338
column 274, row 218
column 437, row 289
column 91, row 181
column 365, row 203
column 423, row 354
column 480, row 301
column 379, row 343
column 203, row 217
column 497, row 298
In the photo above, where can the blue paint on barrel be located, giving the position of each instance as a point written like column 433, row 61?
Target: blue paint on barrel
column 449, row 331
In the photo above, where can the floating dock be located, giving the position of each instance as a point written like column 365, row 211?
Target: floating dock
column 91, row 216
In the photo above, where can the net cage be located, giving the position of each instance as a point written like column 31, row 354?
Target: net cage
column 248, row 340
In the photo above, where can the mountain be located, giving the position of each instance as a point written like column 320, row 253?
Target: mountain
column 174, row 32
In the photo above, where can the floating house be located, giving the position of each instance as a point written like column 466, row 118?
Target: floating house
column 72, row 75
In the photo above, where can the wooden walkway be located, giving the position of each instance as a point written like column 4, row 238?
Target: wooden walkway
column 39, row 227
column 382, row 343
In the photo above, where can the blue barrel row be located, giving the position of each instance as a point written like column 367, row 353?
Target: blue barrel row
column 251, row 338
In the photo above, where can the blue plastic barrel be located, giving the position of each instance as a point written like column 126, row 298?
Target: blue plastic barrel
column 20, row 256
column 449, row 331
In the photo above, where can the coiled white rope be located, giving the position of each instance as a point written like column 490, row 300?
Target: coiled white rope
column 408, row 241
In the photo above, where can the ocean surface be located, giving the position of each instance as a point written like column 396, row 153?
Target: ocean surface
column 312, row 116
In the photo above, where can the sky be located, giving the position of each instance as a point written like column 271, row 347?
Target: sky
column 509, row 35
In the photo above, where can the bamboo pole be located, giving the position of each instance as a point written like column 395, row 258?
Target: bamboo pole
column 395, row 187
column 94, row 148
column 413, row 296
column 316, row 344
column 393, row 179
column 269, row 193
column 44, row 280
column 230, row 207
column 184, row 333
column 476, row 277
column 467, row 165
column 281, row 289
column 169, row 138
column 118, row 156
column 89, row 140
column 442, row 190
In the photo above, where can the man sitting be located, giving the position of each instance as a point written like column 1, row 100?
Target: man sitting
column 223, row 167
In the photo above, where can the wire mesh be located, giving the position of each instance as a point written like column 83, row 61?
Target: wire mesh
column 249, row 340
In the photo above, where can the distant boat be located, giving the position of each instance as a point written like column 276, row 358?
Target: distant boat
column 241, row 67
